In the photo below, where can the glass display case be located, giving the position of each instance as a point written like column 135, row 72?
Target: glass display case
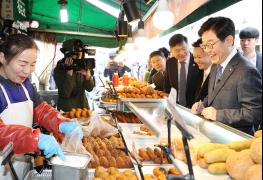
column 217, row 132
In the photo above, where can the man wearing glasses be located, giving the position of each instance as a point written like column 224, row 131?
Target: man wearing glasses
column 235, row 87
column 203, row 60
column 182, row 72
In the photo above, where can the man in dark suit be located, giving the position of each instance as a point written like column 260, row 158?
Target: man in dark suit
column 182, row 72
column 158, row 61
column 235, row 87
column 248, row 41
column 204, row 64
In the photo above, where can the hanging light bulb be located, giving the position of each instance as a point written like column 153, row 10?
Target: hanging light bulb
column 163, row 18
column 141, row 39
column 63, row 11
column 129, row 46
column 122, row 26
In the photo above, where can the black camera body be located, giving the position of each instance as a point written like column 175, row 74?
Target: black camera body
column 77, row 51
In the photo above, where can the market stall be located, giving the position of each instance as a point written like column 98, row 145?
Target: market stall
column 137, row 148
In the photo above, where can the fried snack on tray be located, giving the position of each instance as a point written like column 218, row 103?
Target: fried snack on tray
column 78, row 113
column 160, row 173
column 124, row 117
column 114, row 173
column 140, row 90
column 156, row 155
column 107, row 152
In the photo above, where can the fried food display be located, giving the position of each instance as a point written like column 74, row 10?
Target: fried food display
column 140, row 92
column 160, row 173
column 78, row 113
column 155, row 155
column 107, row 152
column 114, row 173
column 124, row 117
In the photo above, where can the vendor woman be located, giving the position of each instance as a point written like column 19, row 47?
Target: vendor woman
column 21, row 106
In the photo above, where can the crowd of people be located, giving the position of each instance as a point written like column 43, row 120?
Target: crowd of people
column 216, row 80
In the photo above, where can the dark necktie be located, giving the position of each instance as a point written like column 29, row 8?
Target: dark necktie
column 182, row 85
column 218, row 73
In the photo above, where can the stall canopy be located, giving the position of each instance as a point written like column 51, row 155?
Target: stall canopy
column 93, row 25
column 96, row 26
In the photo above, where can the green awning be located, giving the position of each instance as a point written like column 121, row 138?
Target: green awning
column 96, row 27
column 84, row 18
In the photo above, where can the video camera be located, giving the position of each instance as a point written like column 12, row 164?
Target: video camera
column 75, row 49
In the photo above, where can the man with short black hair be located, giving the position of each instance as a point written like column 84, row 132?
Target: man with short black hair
column 235, row 87
column 158, row 61
column 204, row 63
column 182, row 72
column 248, row 40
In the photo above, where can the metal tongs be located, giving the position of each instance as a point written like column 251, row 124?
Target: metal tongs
column 112, row 88
column 138, row 162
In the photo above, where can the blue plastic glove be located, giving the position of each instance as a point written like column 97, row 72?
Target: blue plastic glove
column 68, row 127
column 50, row 146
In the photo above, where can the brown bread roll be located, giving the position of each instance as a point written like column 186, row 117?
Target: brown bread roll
column 238, row 163
column 254, row 172
column 256, row 150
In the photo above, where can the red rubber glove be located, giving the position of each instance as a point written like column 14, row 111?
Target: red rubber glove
column 49, row 118
column 25, row 139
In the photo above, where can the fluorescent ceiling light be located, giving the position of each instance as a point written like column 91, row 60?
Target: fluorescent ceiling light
column 63, row 14
column 108, row 9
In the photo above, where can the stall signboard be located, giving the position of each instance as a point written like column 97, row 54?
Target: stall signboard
column 14, row 9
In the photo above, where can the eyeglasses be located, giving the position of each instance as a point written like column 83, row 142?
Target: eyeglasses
column 208, row 45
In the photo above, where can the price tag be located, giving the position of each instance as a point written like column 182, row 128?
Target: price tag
column 135, row 152
column 153, row 86
column 173, row 97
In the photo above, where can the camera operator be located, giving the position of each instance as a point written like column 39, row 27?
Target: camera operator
column 73, row 76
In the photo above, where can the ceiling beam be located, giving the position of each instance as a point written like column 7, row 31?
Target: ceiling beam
column 72, row 33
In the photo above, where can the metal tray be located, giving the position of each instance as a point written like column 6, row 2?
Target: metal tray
column 47, row 175
column 141, row 100
column 108, row 103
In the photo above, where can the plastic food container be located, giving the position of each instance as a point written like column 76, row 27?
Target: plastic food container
column 74, row 167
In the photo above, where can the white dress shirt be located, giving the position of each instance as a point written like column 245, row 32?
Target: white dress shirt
column 206, row 74
column 229, row 57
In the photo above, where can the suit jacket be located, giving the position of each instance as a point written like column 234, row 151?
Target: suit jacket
column 158, row 80
column 202, row 89
column 238, row 95
column 171, row 78
column 259, row 62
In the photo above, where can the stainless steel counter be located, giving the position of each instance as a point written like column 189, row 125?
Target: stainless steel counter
column 150, row 114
